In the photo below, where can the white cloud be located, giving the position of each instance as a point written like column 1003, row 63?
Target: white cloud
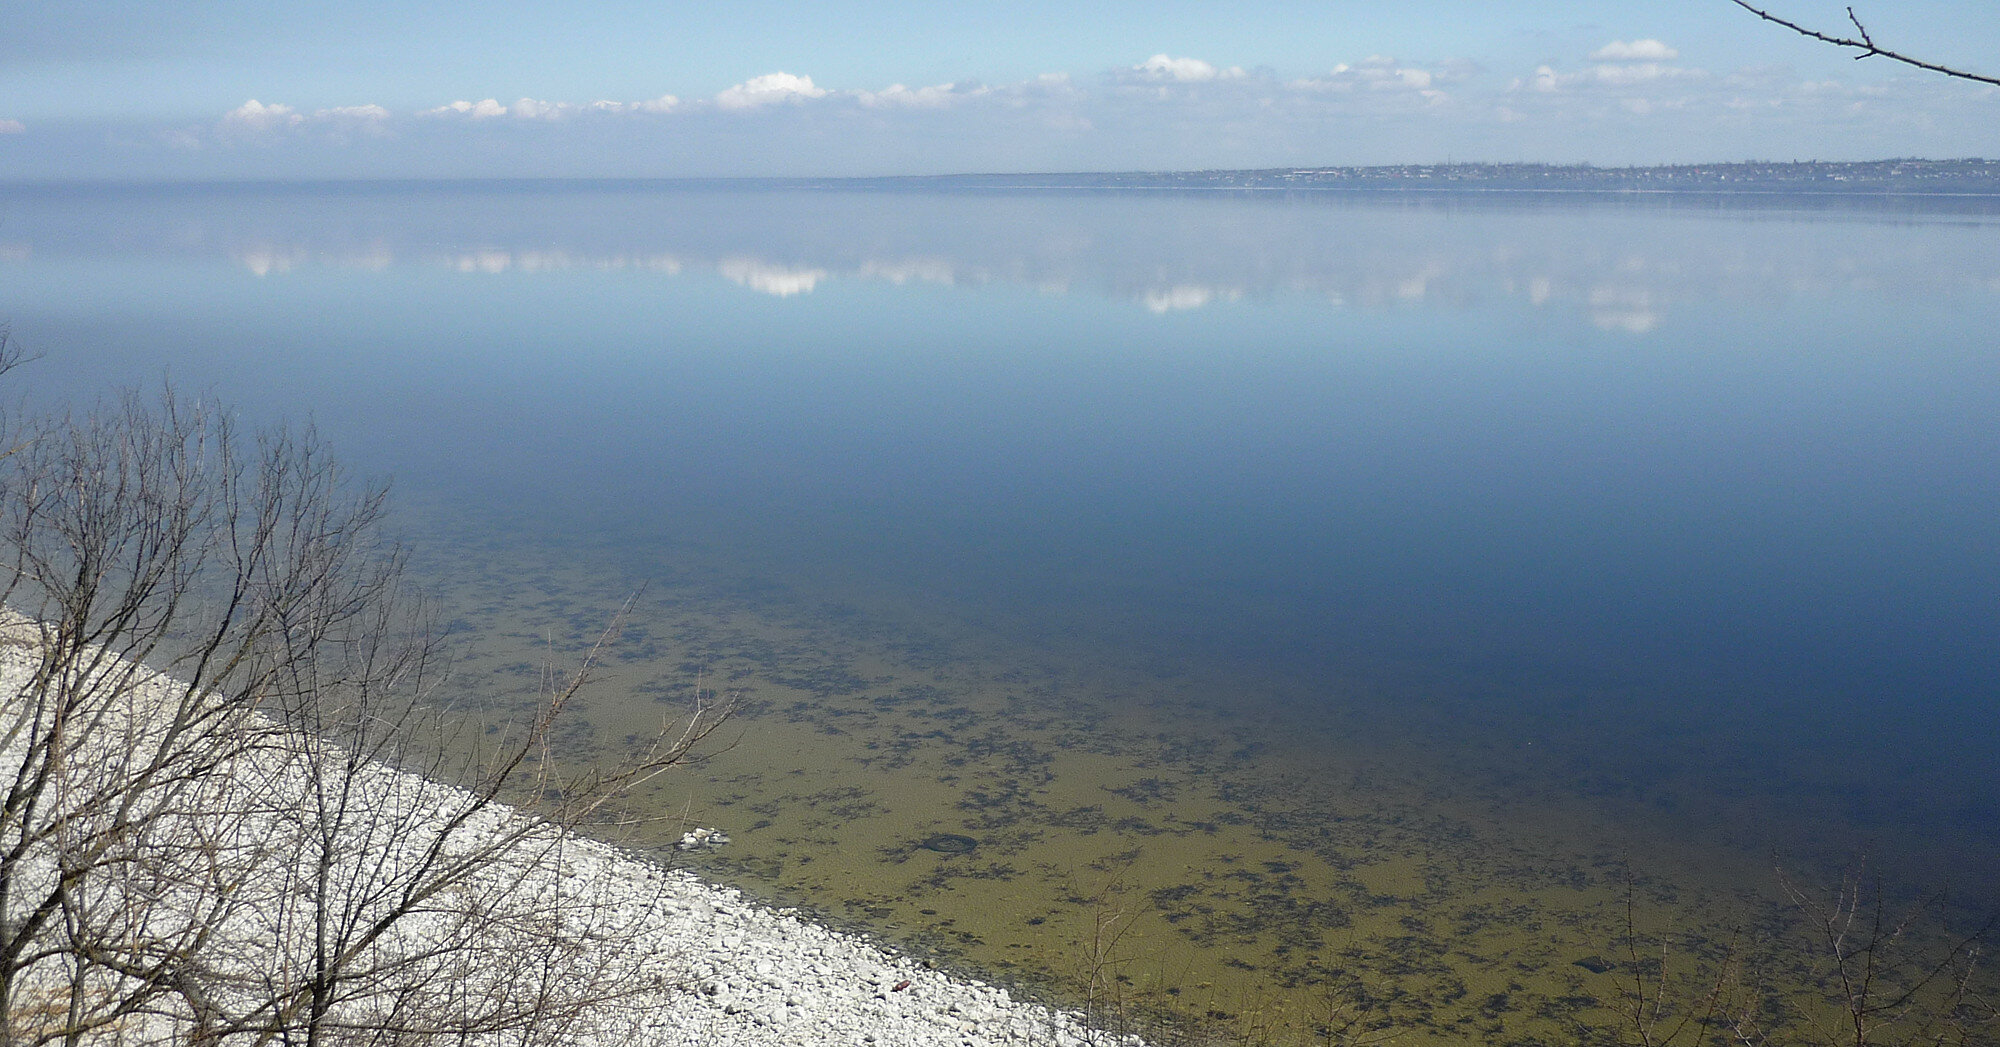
column 256, row 116
column 1376, row 73
column 1547, row 80
column 1172, row 110
column 1183, row 70
column 1647, row 50
column 352, row 112
column 662, row 104
column 1544, row 79
column 12, row 127
column 768, row 89
column 936, row 96
column 260, row 117
column 534, row 109
column 1048, row 88
column 1619, row 65
column 1644, row 72
column 481, row 110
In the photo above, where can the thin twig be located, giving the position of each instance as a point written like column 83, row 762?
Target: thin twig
column 1865, row 44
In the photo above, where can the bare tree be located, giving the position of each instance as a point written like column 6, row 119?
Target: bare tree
column 207, row 835
column 1102, row 957
column 1675, row 996
column 1865, row 43
column 1881, row 974
column 1852, row 969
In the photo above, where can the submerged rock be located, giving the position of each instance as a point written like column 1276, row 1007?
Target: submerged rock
column 949, row 843
column 699, row 839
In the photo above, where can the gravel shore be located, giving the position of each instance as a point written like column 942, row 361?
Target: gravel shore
column 768, row 977
column 705, row 964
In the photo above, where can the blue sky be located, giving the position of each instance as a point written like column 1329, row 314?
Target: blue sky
column 102, row 88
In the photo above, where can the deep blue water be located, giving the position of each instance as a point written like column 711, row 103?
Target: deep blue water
column 1720, row 464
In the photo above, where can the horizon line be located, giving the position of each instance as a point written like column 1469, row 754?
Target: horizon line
column 809, row 181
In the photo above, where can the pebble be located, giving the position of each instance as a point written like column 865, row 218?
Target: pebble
column 732, row 973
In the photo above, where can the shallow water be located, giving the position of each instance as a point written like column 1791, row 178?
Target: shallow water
column 1321, row 597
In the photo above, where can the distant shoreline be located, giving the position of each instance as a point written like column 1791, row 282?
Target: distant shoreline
column 1871, row 178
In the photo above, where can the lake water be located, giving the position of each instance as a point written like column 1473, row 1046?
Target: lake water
column 1346, row 596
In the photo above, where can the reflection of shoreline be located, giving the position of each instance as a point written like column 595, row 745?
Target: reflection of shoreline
column 500, row 260
column 1618, row 299
column 1621, row 265
column 776, row 280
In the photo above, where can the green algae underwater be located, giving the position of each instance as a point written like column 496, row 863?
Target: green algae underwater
column 1165, row 850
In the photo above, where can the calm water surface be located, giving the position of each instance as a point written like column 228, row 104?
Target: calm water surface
column 1323, row 584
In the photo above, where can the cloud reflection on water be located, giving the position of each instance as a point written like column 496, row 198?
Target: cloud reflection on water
column 1617, row 264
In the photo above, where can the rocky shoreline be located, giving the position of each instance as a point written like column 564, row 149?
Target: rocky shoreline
column 688, row 962
column 763, row 976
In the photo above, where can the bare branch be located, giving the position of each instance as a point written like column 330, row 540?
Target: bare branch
column 1865, row 44
column 1664, row 1003
column 214, row 687
column 1888, row 973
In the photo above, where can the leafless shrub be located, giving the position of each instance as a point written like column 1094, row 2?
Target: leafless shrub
column 1878, row 973
column 1850, row 968
column 1676, row 990
column 203, row 837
